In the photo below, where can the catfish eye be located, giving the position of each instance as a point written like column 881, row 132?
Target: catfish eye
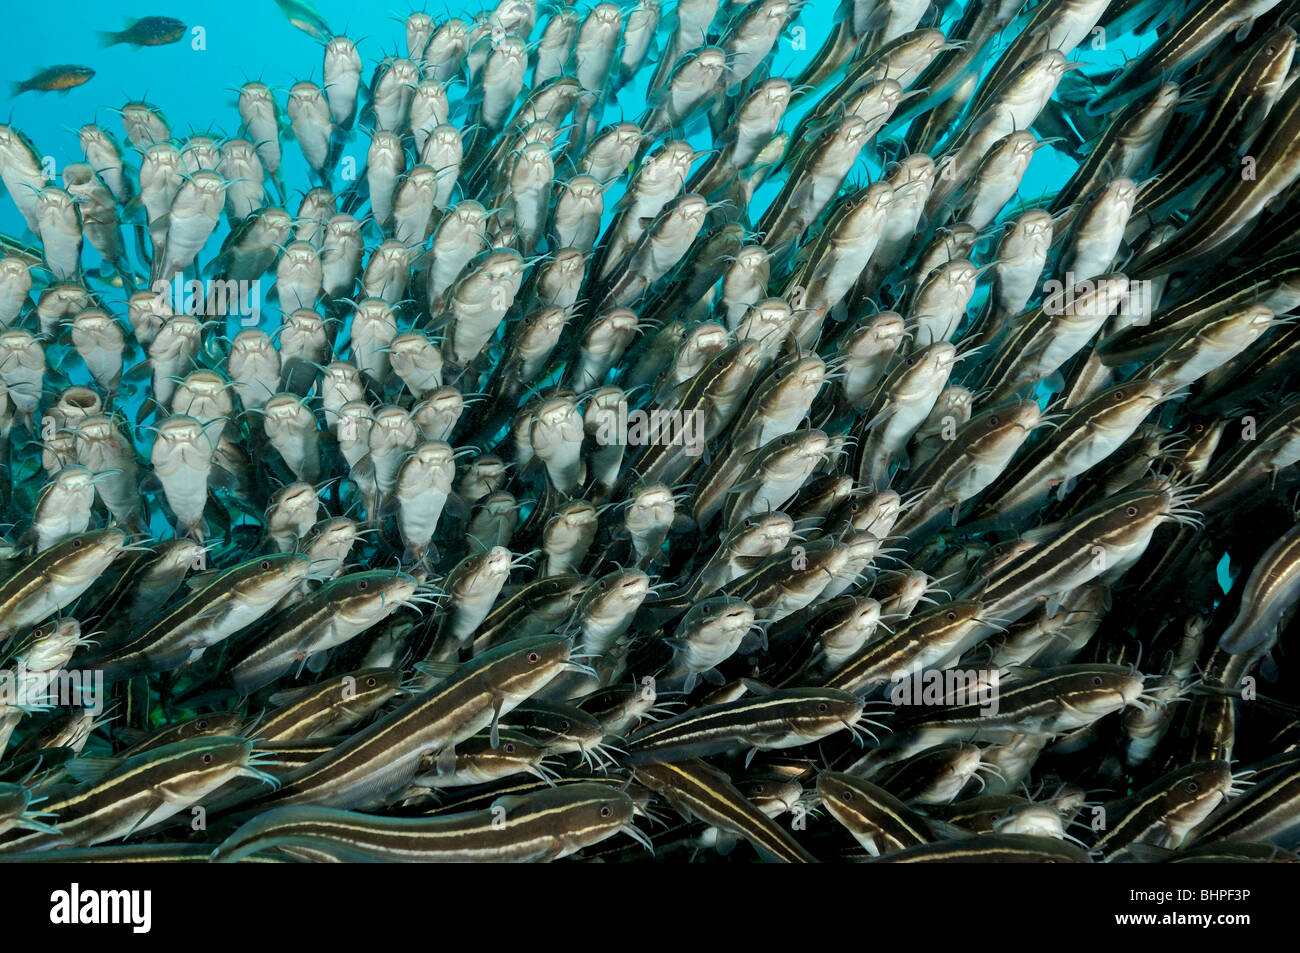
column 509, row 747
column 534, row 658
column 206, row 757
column 564, row 725
column 1131, row 511
column 555, row 587
column 1191, row 787
column 759, row 789
column 720, row 362
column 602, row 585
column 363, row 584
column 994, row 421
column 1119, row 395
column 77, row 543
column 370, row 682
column 201, row 724
column 846, row 795
column 1096, row 680
column 605, row 810
column 264, row 564
column 823, row 707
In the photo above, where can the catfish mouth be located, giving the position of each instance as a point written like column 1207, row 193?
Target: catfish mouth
column 81, row 398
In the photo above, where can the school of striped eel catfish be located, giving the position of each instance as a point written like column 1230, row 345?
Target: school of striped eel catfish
column 776, row 476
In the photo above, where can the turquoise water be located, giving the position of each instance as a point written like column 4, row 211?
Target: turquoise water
column 251, row 39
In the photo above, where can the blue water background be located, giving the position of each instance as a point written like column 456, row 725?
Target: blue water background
column 251, row 39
